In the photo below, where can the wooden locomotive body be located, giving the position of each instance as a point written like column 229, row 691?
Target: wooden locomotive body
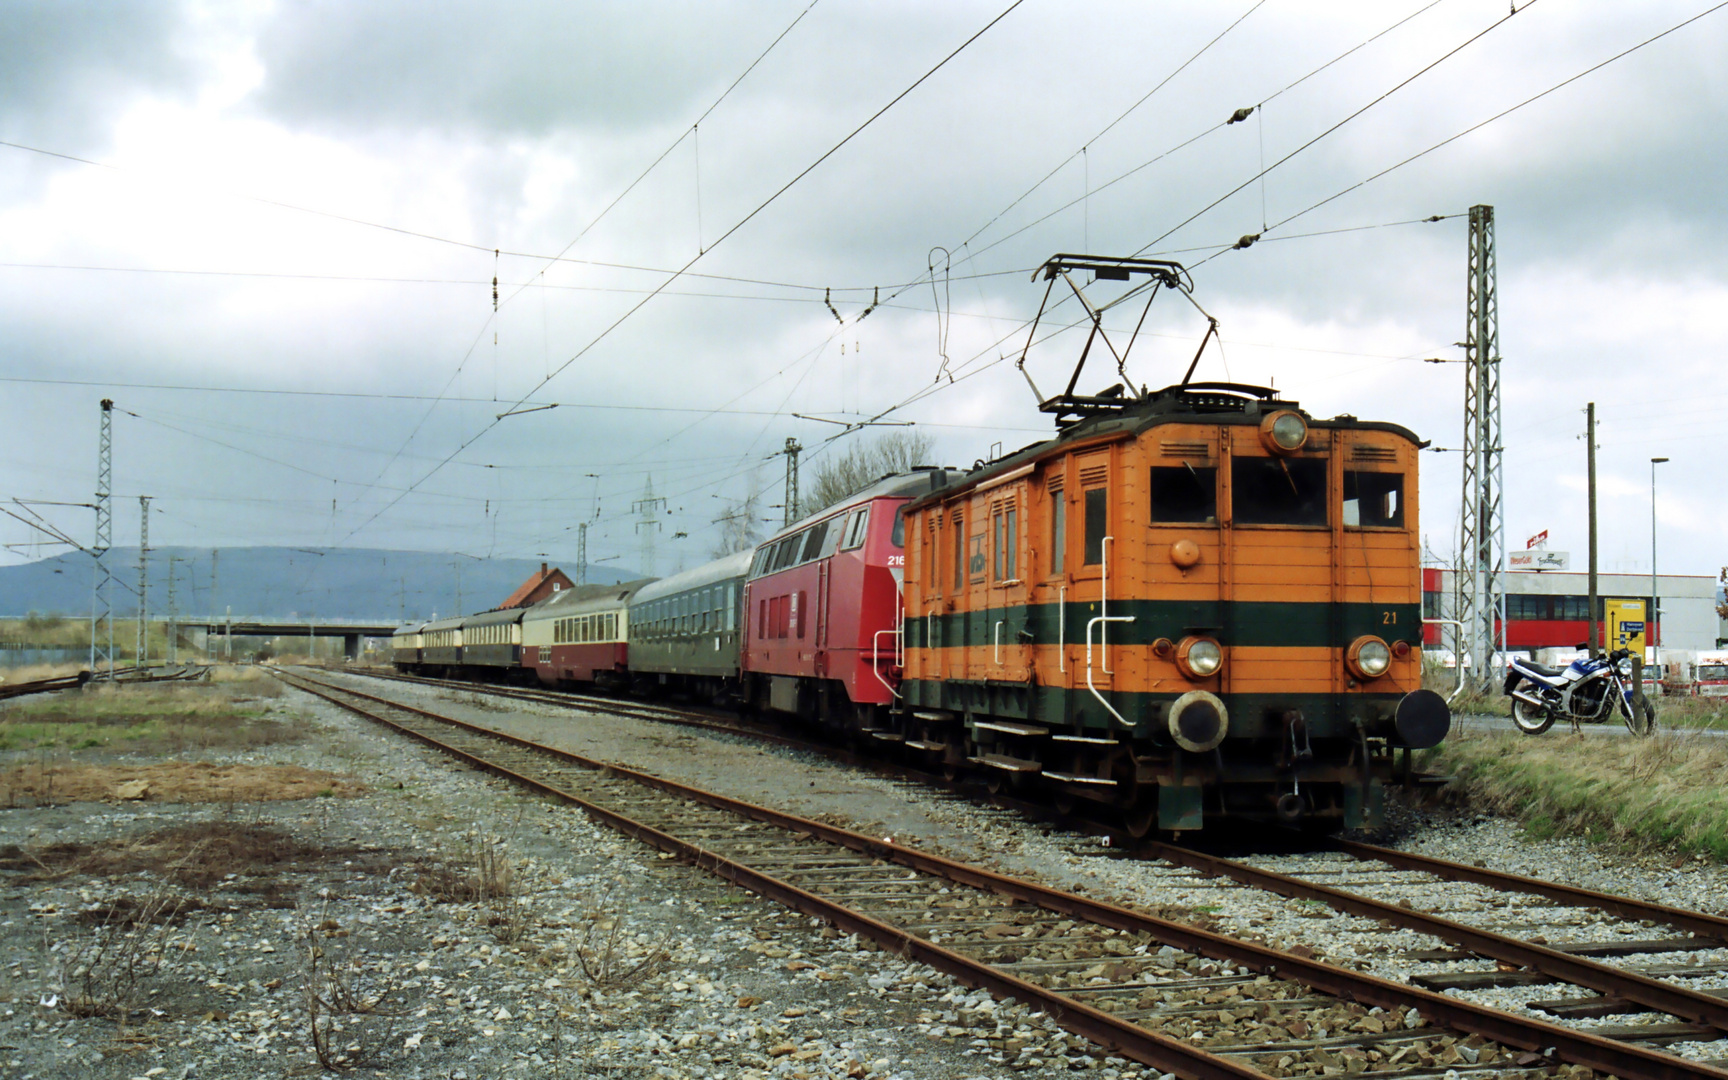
column 1199, row 603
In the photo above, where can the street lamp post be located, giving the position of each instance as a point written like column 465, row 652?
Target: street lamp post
column 1654, row 602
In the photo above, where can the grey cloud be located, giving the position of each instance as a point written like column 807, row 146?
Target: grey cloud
column 67, row 65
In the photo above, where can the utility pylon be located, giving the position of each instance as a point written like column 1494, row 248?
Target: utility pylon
column 143, row 651
column 101, row 603
column 648, row 524
column 790, row 502
column 582, row 553
column 1482, row 551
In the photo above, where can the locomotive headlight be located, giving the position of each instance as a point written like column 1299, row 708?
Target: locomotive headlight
column 1199, row 657
column 1369, row 657
column 1284, row 432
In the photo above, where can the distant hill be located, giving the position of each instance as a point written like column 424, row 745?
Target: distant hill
column 279, row 582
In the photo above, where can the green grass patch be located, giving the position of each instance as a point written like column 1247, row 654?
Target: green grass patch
column 1664, row 793
column 147, row 718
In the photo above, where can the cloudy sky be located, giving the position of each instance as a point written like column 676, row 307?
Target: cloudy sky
column 269, row 232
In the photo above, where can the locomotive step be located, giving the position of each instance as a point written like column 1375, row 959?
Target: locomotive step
column 1006, row 763
column 1085, row 739
column 935, row 717
column 919, row 744
column 1069, row 778
column 1008, row 727
column 884, row 734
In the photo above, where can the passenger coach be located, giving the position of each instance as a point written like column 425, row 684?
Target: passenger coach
column 684, row 630
column 580, row 635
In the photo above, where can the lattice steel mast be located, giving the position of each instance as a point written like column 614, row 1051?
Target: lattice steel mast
column 101, row 602
column 1482, row 547
column 790, row 502
column 143, row 651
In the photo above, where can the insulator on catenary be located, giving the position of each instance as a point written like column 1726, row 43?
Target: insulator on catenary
column 1241, row 114
column 1246, row 241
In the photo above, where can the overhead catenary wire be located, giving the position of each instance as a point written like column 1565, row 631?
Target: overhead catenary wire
column 745, row 220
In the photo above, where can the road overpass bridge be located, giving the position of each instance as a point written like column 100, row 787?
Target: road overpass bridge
column 350, row 631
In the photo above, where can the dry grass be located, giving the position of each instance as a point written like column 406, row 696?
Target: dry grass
column 24, row 673
column 1665, row 792
column 106, row 970
column 47, row 782
column 195, row 855
column 353, row 1001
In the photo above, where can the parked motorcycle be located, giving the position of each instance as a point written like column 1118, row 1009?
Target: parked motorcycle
column 1585, row 692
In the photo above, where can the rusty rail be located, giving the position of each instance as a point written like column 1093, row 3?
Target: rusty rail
column 1698, row 922
column 1661, row 996
column 1554, row 1042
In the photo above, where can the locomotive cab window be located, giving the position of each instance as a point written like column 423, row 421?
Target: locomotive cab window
column 1182, row 494
column 898, row 539
column 1278, row 491
column 1374, row 500
column 817, row 535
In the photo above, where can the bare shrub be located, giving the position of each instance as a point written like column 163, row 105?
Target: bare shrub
column 352, row 1007
column 611, row 958
column 839, row 477
column 107, row 971
column 482, row 871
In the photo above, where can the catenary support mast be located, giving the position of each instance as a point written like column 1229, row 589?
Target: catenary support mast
column 1483, row 550
column 101, row 597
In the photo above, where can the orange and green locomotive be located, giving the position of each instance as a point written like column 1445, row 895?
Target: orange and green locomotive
column 1194, row 603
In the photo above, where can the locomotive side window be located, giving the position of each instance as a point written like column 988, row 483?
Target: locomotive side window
column 1184, row 494
column 959, row 523
column 817, row 535
column 860, row 524
column 1278, row 491
column 1097, row 512
column 898, row 538
column 1058, row 527
column 1006, row 528
column 1374, row 500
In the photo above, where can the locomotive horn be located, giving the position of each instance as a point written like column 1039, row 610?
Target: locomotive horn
column 1198, row 721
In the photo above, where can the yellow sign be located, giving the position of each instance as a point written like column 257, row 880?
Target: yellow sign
column 1626, row 625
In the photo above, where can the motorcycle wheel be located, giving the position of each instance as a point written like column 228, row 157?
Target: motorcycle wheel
column 1531, row 719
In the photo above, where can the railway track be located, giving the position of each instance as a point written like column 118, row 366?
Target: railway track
column 1165, row 994
column 1503, row 930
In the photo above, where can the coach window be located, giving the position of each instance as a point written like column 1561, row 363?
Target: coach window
column 1374, row 500
column 731, row 610
column 1097, row 507
column 1182, row 494
column 859, row 526
column 1278, row 491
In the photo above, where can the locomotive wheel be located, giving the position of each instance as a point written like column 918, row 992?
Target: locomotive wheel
column 950, row 771
column 1141, row 818
column 995, row 781
column 1064, row 801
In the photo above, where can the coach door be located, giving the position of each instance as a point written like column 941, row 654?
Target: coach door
column 1009, row 652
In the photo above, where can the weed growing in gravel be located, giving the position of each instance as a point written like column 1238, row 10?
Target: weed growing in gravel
column 352, row 1006
column 611, row 958
column 107, row 971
